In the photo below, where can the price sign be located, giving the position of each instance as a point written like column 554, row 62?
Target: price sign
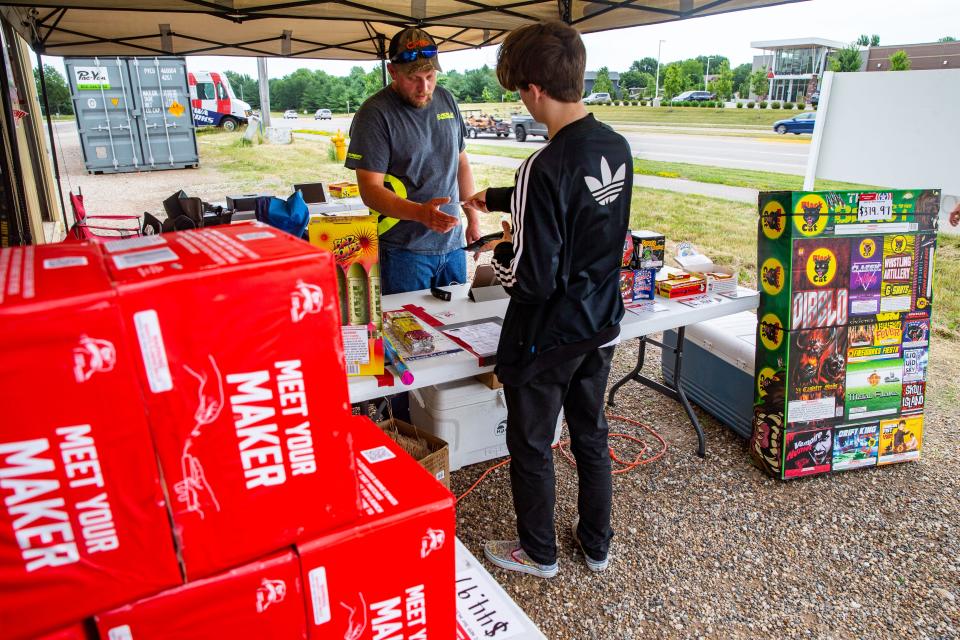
column 875, row 207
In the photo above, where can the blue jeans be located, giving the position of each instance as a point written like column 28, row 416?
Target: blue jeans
column 402, row 271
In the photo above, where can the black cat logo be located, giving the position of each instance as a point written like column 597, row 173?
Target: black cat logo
column 821, row 266
column 771, row 331
column 811, row 215
column 772, row 220
column 771, row 275
column 899, row 244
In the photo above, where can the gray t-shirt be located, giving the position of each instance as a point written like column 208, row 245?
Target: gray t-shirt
column 419, row 147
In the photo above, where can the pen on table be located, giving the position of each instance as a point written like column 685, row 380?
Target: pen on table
column 406, row 377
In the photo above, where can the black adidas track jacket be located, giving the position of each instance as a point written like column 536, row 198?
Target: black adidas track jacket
column 570, row 213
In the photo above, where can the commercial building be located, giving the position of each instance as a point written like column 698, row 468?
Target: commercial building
column 794, row 66
column 923, row 57
column 591, row 76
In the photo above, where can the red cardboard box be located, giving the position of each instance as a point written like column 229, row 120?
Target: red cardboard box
column 391, row 574
column 237, row 335
column 260, row 600
column 74, row 632
column 83, row 522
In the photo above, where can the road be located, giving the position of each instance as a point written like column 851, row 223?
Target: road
column 782, row 155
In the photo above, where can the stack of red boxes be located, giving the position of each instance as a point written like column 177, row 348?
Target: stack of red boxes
column 199, row 382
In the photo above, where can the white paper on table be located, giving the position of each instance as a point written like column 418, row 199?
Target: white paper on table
column 645, row 306
column 482, row 337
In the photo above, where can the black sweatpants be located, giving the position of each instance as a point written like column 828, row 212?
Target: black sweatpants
column 579, row 386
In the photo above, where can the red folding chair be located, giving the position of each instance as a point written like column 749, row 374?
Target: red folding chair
column 99, row 228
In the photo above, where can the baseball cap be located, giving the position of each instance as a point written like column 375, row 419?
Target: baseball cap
column 418, row 45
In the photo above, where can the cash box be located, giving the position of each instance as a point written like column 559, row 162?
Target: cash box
column 717, row 371
column 469, row 416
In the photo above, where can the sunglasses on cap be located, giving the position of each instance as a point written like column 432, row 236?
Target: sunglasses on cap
column 409, row 55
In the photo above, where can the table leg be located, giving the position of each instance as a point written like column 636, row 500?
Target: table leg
column 673, row 389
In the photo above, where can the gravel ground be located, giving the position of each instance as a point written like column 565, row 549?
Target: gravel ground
column 130, row 193
column 709, row 548
column 715, row 549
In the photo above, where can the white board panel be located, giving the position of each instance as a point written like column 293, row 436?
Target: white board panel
column 897, row 129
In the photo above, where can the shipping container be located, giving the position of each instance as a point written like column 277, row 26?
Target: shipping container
column 133, row 114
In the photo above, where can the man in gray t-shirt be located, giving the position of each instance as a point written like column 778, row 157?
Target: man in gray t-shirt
column 407, row 147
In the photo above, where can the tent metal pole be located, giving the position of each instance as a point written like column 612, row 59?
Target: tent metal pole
column 382, row 45
column 53, row 143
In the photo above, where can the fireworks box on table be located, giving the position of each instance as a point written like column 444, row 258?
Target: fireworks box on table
column 236, row 333
column 83, row 523
column 648, row 249
column 846, row 284
column 350, row 234
column 675, row 283
column 391, row 573
column 637, row 284
column 262, row 599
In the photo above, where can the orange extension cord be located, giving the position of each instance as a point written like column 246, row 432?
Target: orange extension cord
column 626, row 466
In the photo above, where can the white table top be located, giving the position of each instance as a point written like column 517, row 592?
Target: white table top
column 461, row 365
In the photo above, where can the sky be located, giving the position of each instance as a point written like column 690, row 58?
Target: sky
column 895, row 21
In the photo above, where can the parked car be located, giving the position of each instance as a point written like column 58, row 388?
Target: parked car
column 694, row 96
column 525, row 125
column 290, row 114
column 323, row 114
column 801, row 123
column 597, row 98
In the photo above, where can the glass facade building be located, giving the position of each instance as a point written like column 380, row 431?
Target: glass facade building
column 797, row 65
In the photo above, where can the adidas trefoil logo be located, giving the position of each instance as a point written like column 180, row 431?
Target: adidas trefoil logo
column 608, row 187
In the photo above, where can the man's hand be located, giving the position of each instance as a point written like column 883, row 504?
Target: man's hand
column 477, row 201
column 433, row 218
column 473, row 230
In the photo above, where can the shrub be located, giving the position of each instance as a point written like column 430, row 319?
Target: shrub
column 704, row 104
column 788, row 106
column 763, row 104
column 775, row 105
column 751, row 104
column 739, row 105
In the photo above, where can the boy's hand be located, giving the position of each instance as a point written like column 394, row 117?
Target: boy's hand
column 477, row 201
column 507, row 237
column 432, row 217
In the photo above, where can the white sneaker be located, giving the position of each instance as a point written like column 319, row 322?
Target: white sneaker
column 508, row 554
column 593, row 565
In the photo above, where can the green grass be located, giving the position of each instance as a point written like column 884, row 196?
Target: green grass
column 722, row 229
column 760, row 180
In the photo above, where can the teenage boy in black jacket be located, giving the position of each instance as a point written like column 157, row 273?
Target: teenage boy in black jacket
column 570, row 210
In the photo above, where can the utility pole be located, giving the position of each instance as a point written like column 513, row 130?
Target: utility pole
column 707, row 73
column 264, row 92
column 656, row 84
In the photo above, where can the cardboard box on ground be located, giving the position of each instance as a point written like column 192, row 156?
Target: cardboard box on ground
column 843, row 328
column 389, row 573
column 81, row 497
column 245, row 421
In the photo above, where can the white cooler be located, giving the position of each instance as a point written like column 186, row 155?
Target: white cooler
column 717, row 369
column 470, row 416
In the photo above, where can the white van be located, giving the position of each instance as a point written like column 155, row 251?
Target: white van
column 213, row 101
